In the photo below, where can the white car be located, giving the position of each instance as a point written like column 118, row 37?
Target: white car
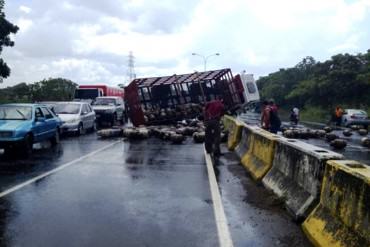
column 109, row 109
column 77, row 117
column 355, row 117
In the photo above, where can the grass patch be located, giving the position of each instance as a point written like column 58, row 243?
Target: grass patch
column 315, row 114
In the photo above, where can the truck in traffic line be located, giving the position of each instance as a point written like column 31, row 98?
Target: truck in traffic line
column 107, row 102
column 91, row 92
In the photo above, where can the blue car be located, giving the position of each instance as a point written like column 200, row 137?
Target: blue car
column 21, row 125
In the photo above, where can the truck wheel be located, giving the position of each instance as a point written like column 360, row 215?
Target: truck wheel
column 56, row 138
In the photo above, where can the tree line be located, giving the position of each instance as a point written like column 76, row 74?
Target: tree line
column 53, row 89
column 342, row 80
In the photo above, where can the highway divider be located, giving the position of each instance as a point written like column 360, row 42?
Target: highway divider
column 259, row 158
column 330, row 194
column 296, row 175
column 234, row 127
column 342, row 217
column 245, row 140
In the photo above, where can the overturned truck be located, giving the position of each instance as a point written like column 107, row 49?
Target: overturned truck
column 163, row 100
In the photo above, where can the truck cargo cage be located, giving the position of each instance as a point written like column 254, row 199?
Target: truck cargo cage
column 159, row 100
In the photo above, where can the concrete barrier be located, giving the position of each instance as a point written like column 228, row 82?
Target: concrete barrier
column 296, row 175
column 227, row 121
column 245, row 140
column 343, row 216
column 258, row 160
column 234, row 127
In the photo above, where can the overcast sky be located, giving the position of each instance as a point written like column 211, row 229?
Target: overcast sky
column 88, row 41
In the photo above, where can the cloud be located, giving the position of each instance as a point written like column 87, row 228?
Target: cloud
column 89, row 40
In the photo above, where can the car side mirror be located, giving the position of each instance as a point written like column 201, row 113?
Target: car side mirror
column 84, row 113
column 40, row 119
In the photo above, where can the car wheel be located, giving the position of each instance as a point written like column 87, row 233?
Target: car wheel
column 94, row 127
column 114, row 120
column 80, row 130
column 56, row 138
column 27, row 146
column 9, row 151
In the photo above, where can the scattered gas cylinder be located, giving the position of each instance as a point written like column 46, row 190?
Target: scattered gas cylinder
column 106, row 133
column 338, row 143
column 199, row 137
column 362, row 132
column 365, row 142
column 331, row 137
column 320, row 133
column 347, row 132
column 177, row 138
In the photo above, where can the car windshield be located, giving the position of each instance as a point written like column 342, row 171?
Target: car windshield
column 104, row 101
column 67, row 108
column 15, row 112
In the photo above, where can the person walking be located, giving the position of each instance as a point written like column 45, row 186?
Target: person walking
column 213, row 111
column 265, row 116
column 338, row 115
column 275, row 121
column 294, row 115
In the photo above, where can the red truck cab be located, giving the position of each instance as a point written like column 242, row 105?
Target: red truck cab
column 90, row 92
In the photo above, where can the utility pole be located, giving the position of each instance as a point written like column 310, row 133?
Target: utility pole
column 205, row 58
column 131, row 67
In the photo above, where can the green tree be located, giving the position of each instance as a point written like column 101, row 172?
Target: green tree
column 6, row 28
column 344, row 80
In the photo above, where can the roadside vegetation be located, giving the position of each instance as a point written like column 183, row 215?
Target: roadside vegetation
column 57, row 89
column 317, row 87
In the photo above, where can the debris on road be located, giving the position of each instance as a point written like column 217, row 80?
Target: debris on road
column 347, row 132
column 328, row 129
column 106, row 133
column 362, row 132
column 331, row 137
column 199, row 137
column 338, row 143
column 365, row 142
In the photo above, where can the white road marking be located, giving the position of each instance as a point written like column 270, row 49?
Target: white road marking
column 224, row 236
column 32, row 180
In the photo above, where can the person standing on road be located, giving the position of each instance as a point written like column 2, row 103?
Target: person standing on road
column 213, row 111
column 265, row 115
column 294, row 116
column 275, row 121
column 338, row 115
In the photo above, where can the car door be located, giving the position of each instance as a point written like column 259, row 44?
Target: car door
column 50, row 122
column 119, row 107
column 85, row 116
column 91, row 115
column 39, row 129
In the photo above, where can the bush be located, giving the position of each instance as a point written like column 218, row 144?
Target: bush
column 315, row 114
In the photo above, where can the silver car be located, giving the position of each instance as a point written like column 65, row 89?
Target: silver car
column 355, row 117
column 77, row 117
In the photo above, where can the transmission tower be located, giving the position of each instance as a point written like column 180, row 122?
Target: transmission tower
column 131, row 67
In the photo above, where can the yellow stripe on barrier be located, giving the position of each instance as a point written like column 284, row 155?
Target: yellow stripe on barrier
column 235, row 130
column 343, row 216
column 259, row 158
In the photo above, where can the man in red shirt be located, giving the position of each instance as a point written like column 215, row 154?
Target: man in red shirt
column 213, row 111
column 265, row 116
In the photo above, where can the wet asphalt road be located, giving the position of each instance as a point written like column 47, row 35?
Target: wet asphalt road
column 144, row 193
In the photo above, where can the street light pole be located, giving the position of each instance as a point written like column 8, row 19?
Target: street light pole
column 205, row 58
